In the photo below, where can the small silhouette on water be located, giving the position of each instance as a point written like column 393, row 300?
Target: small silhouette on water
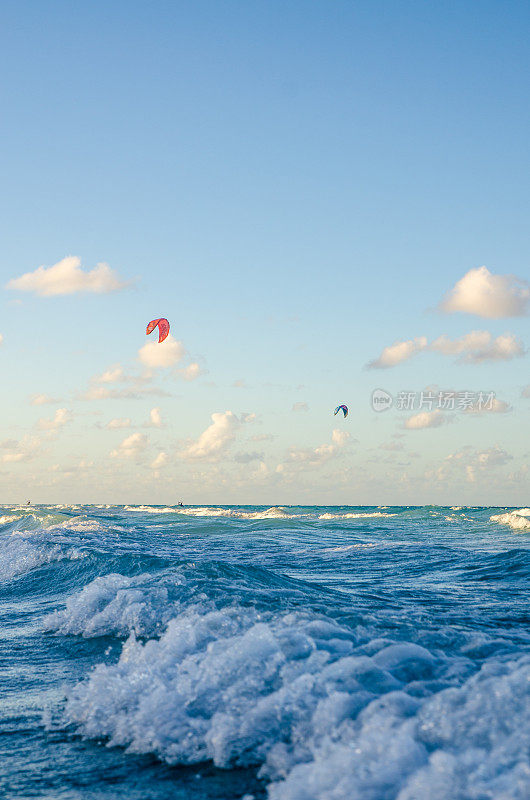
column 28, row 503
column 180, row 503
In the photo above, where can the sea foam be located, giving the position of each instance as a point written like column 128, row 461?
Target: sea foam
column 115, row 604
column 518, row 520
column 323, row 712
column 20, row 554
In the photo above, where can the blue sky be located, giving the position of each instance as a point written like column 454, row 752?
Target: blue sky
column 296, row 187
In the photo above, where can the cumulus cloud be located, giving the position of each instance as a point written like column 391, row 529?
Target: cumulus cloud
column 67, row 277
column 490, row 406
column 472, row 462
column 486, row 295
column 246, row 458
column 132, row 446
column 168, row 353
column 425, row 419
column 479, row 346
column 160, row 461
column 191, row 372
column 117, row 423
column 213, row 442
column 314, row 457
column 114, row 374
column 398, row 352
column 473, row 348
column 392, row 446
column 101, row 386
column 61, row 417
column 1, row 338
column 104, row 393
column 300, row 406
column 117, row 374
column 155, row 419
column 26, row 449
column 43, row 399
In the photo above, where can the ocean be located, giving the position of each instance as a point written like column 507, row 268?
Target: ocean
column 289, row 653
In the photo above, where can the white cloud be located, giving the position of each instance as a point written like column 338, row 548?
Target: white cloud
column 473, row 348
column 100, row 387
column 155, row 419
column 426, row 419
column 160, row 461
column 25, row 450
column 246, row 458
column 43, row 399
column 131, row 447
column 472, row 462
column 114, row 374
column 391, row 446
column 191, row 372
column 486, row 295
column 117, row 374
column 16, row 456
column 398, row 352
column 104, row 393
column 117, row 423
column 493, row 457
column 67, row 277
column 479, row 346
column 155, row 355
column 300, row 406
column 61, row 417
column 216, row 439
column 1, row 338
column 492, row 406
column 313, row 457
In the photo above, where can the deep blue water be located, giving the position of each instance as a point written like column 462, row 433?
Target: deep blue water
column 290, row 653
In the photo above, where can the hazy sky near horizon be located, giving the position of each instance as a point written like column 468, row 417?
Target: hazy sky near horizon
column 297, row 187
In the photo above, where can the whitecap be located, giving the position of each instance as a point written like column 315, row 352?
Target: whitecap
column 19, row 555
column 115, row 604
column 518, row 520
column 322, row 713
column 356, row 515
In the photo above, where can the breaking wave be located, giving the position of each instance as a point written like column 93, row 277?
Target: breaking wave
column 518, row 520
column 19, row 556
column 320, row 653
column 320, row 710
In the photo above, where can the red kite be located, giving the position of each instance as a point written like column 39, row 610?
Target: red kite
column 163, row 328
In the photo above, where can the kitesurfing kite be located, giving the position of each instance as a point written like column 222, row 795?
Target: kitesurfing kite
column 343, row 408
column 163, row 328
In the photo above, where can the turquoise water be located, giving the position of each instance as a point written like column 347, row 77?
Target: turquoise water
column 285, row 653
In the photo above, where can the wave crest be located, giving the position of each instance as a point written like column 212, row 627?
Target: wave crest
column 323, row 713
column 518, row 520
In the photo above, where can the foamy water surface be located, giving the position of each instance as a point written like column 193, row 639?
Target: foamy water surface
column 287, row 653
